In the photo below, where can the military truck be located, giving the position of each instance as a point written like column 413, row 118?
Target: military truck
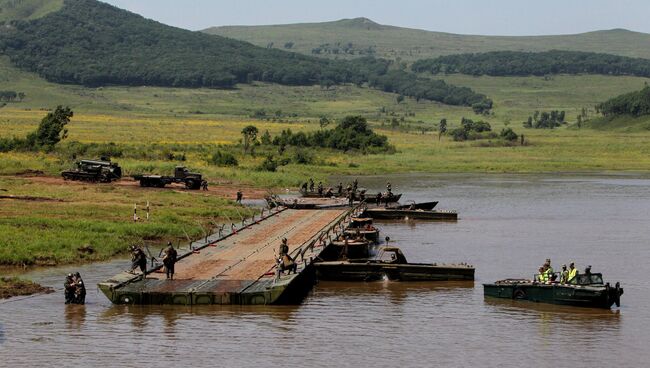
column 102, row 170
column 181, row 175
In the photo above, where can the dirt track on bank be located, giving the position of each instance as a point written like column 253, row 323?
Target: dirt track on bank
column 224, row 188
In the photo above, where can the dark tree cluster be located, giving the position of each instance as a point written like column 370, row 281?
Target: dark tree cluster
column 515, row 63
column 10, row 96
column 352, row 133
column 91, row 43
column 545, row 120
column 408, row 84
column 634, row 103
column 342, row 48
column 472, row 130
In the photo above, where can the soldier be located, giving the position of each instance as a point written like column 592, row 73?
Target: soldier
column 362, row 195
column 311, row 184
column 351, row 199
column 389, row 188
column 138, row 260
column 573, row 271
column 240, row 196
column 303, row 187
column 550, row 274
column 204, row 185
column 379, row 199
column 320, row 188
column 339, row 188
column 169, row 260
column 69, row 288
column 80, row 289
column 355, row 185
column 348, row 189
column 284, row 247
column 564, row 275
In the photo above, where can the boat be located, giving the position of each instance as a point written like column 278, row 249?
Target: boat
column 305, row 203
column 428, row 206
column 358, row 196
column 391, row 264
column 587, row 290
column 385, row 198
column 368, row 232
column 400, row 214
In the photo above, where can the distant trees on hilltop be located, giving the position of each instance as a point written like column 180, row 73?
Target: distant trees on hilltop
column 514, row 63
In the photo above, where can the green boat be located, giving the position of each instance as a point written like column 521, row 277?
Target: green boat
column 587, row 290
column 394, row 267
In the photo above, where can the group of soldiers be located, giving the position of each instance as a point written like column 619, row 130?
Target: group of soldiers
column 75, row 290
column 139, row 260
column 546, row 273
column 351, row 191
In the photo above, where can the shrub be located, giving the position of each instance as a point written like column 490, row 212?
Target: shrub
column 508, row 134
column 303, row 157
column 269, row 164
column 223, row 159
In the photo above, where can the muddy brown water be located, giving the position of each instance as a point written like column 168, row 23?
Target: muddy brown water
column 508, row 225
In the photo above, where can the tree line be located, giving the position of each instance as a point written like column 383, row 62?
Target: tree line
column 94, row 44
column 635, row 103
column 515, row 63
column 545, row 120
column 351, row 133
column 10, row 96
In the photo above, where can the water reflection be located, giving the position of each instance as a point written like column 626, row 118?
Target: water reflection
column 585, row 320
column 397, row 292
column 142, row 316
column 75, row 316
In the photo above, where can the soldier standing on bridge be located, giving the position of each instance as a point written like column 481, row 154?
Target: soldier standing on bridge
column 284, row 247
column 138, row 260
column 240, row 196
column 169, row 260
column 311, row 184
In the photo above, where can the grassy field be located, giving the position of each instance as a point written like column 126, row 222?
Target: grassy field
column 412, row 44
column 147, row 124
column 63, row 218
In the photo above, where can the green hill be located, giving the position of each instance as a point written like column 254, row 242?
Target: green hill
column 95, row 44
column 27, row 9
column 348, row 38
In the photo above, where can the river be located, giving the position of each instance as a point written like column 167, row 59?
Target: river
column 508, row 226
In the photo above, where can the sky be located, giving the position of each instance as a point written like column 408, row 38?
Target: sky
column 485, row 17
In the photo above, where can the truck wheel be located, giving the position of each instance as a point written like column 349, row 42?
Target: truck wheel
column 189, row 184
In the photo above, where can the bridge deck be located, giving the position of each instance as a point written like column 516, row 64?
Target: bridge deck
column 241, row 262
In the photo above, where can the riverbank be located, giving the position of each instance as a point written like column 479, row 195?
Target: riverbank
column 13, row 286
column 45, row 221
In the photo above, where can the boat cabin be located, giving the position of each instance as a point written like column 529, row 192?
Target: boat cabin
column 391, row 255
column 590, row 279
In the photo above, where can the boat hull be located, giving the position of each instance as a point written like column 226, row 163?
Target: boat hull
column 370, row 271
column 400, row 214
column 587, row 296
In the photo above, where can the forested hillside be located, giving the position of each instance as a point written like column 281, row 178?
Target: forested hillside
column 510, row 63
column 92, row 43
column 634, row 103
